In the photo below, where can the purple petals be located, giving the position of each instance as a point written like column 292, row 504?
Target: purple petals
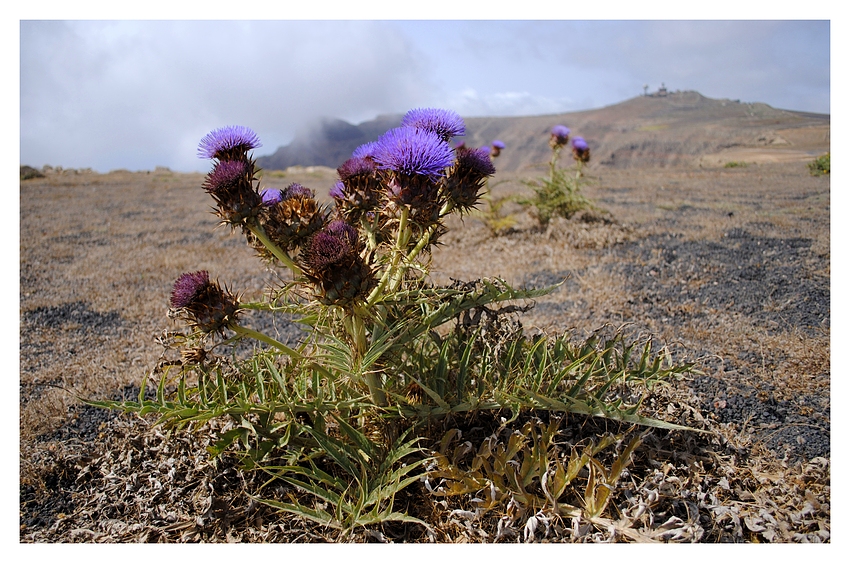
column 412, row 152
column 271, row 197
column 445, row 123
column 187, row 287
column 233, row 138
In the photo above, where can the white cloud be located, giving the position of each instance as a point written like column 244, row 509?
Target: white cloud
column 91, row 91
column 471, row 103
column 136, row 94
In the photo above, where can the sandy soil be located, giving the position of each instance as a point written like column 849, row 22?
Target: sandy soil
column 728, row 266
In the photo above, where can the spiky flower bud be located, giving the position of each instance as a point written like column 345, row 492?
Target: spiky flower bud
column 203, row 303
column 560, row 136
column 466, row 178
column 358, row 190
column 333, row 262
column 581, row 152
column 230, row 183
column 297, row 190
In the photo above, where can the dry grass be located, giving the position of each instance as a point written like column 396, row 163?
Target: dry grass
column 99, row 254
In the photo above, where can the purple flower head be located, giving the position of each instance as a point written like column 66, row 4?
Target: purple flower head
column 333, row 245
column 187, row 287
column 226, row 175
column 581, row 152
column 495, row 148
column 413, row 152
column 228, row 142
column 560, row 136
column 561, row 131
column 271, row 197
column 445, row 123
column 475, row 161
column 338, row 191
column 365, row 150
column 203, row 303
column 356, row 166
column 296, row 190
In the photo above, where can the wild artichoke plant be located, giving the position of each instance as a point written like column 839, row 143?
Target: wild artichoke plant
column 559, row 195
column 383, row 348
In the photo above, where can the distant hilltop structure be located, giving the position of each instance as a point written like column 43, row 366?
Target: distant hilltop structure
column 661, row 93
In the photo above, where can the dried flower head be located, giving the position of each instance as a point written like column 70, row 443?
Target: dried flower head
column 581, row 152
column 358, row 190
column 445, row 123
column 203, row 303
column 289, row 220
column 560, row 136
column 228, row 143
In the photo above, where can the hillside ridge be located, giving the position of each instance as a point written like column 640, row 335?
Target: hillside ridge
column 677, row 129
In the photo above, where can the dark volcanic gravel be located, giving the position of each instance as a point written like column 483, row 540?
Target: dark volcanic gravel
column 763, row 278
column 760, row 281
column 74, row 315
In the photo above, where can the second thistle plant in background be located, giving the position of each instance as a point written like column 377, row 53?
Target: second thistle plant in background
column 559, row 194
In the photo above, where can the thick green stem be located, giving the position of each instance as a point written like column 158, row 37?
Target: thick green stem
column 553, row 164
column 279, row 253
column 401, row 242
column 355, row 325
column 376, row 390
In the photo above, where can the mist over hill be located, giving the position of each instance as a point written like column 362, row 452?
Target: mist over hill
column 655, row 130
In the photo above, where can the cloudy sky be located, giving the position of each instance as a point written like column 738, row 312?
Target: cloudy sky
column 139, row 94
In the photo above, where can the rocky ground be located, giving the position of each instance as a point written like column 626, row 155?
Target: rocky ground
column 728, row 267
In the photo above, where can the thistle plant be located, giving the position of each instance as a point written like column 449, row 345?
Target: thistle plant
column 559, row 194
column 338, row 415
